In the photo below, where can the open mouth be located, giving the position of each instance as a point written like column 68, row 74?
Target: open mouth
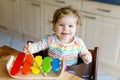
column 65, row 33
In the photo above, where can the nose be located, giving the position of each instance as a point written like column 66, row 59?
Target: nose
column 65, row 28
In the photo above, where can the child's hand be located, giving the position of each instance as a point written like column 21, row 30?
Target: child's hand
column 87, row 58
column 26, row 48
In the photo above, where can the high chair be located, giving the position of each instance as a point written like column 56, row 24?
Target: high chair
column 86, row 71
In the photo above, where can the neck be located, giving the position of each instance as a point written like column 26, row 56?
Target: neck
column 66, row 41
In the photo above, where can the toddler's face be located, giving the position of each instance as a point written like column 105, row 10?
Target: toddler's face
column 66, row 28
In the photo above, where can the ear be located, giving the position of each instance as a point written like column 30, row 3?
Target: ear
column 54, row 27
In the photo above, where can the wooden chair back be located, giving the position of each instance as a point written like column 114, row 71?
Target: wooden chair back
column 86, row 71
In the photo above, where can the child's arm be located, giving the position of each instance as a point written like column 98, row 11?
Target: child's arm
column 34, row 47
column 26, row 48
column 84, row 53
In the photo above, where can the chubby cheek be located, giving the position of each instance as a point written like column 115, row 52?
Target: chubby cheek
column 74, row 31
column 56, row 29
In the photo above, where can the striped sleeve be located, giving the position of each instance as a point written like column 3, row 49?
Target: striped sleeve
column 83, row 47
column 40, row 45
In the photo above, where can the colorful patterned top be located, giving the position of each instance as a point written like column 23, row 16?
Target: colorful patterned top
column 57, row 49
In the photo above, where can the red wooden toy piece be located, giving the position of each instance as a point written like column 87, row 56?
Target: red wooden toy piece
column 17, row 63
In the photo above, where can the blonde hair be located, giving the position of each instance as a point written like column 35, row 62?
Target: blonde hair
column 59, row 13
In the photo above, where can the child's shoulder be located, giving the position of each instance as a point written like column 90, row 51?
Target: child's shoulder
column 49, row 37
column 78, row 39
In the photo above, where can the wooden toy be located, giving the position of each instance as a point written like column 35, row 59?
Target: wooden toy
column 17, row 63
column 36, row 64
column 27, row 64
column 56, row 64
column 45, row 66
